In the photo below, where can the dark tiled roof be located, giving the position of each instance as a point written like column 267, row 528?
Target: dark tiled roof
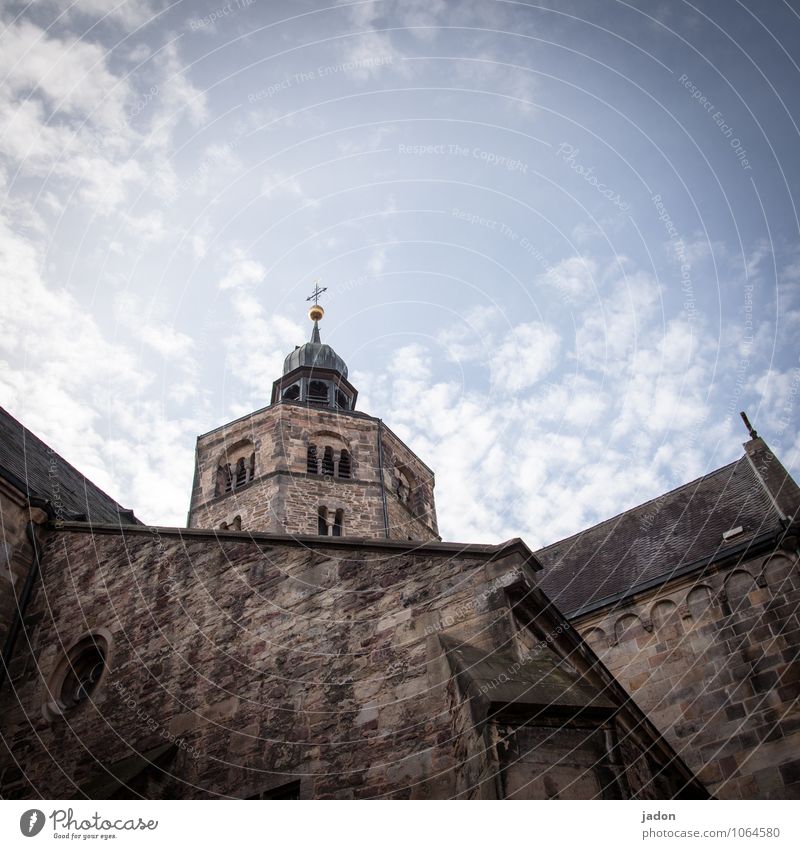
column 34, row 467
column 657, row 538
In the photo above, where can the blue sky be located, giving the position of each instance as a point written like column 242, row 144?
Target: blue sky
column 561, row 242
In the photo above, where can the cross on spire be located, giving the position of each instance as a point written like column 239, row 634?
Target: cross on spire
column 314, row 296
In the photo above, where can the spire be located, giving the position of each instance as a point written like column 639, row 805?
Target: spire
column 314, row 373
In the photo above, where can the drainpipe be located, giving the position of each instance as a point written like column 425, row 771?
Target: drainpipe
column 27, row 588
column 383, row 485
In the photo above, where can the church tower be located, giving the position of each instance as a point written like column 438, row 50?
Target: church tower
column 310, row 463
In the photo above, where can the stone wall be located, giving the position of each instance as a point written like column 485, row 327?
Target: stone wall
column 16, row 553
column 260, row 662
column 714, row 661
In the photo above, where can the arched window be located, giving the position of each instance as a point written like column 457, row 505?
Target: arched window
column 344, row 464
column 342, row 401
column 318, row 392
column 224, row 479
column 291, row 393
column 402, row 486
column 312, row 465
column 241, row 472
column 237, row 467
column 338, row 523
column 322, row 521
column 327, row 461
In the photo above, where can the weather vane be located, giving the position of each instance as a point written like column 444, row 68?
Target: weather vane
column 316, row 312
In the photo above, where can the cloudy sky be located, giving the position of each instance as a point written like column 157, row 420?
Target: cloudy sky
column 560, row 240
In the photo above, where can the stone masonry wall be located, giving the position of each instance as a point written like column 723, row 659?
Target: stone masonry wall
column 284, row 498
column 263, row 662
column 16, row 552
column 266, row 660
column 715, row 663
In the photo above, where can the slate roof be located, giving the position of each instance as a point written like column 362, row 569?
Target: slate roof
column 657, row 538
column 33, row 467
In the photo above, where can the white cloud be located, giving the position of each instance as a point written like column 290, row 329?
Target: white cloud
column 242, row 273
column 525, row 355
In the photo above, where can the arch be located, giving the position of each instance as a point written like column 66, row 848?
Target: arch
column 291, row 393
column 738, row 584
column 345, row 466
column 404, row 485
column 224, row 478
column 78, row 673
column 336, row 440
column 777, row 571
column 597, row 639
column 627, row 627
column 318, row 392
column 664, row 612
column 699, row 599
column 236, row 467
column 338, row 523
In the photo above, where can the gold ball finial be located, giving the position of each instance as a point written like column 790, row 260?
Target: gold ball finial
column 316, row 312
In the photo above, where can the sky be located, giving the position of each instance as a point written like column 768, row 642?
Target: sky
column 560, row 240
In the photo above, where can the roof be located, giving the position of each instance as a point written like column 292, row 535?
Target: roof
column 35, row 469
column 315, row 355
column 657, row 539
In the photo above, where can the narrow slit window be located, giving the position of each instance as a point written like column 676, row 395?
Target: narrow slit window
column 338, row 523
column 327, row 461
column 311, row 460
column 224, row 479
column 322, row 521
column 344, row 464
column 241, row 472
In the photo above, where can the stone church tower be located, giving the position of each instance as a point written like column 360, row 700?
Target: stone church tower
column 310, row 463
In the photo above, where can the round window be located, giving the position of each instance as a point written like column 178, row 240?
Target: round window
column 78, row 674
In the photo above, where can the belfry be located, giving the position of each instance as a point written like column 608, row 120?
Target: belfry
column 310, row 463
